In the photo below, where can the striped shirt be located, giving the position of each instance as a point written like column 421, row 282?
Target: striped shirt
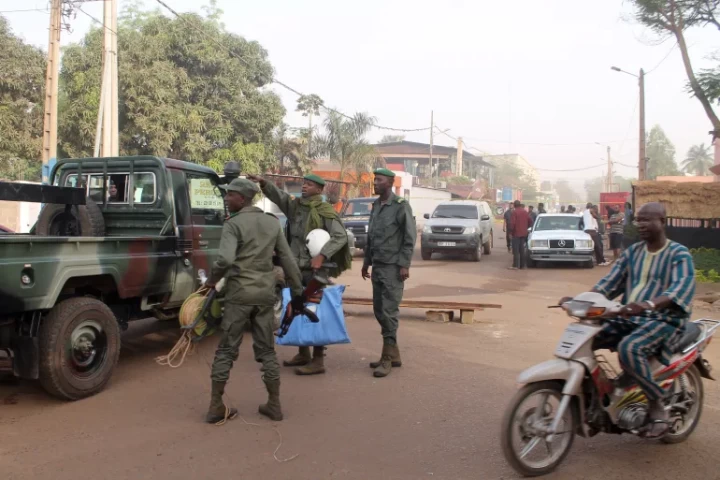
column 619, row 226
column 640, row 275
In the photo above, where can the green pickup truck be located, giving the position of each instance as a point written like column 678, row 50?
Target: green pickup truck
column 118, row 239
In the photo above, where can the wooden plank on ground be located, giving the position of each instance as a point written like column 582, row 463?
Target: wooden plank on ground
column 425, row 304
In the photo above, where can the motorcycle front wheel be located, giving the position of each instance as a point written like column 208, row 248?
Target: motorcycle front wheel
column 528, row 416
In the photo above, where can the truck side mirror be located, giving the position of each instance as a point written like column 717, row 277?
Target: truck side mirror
column 485, row 217
column 231, row 171
column 426, row 216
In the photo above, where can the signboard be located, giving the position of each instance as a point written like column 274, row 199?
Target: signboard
column 507, row 194
column 204, row 195
column 498, row 196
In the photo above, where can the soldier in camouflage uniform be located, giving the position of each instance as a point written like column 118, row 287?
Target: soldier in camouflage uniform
column 248, row 241
column 391, row 240
column 306, row 214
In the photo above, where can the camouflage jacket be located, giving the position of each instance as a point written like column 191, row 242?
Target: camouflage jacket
column 391, row 233
column 248, row 241
column 297, row 217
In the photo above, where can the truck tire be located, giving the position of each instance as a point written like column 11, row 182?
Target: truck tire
column 79, row 348
column 81, row 221
column 426, row 253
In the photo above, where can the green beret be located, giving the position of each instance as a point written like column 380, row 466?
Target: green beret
column 384, row 172
column 314, row 178
column 243, row 186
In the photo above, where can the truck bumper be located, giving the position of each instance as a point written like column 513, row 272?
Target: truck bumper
column 561, row 255
column 450, row 243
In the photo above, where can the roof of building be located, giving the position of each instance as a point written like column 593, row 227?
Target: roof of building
column 405, row 147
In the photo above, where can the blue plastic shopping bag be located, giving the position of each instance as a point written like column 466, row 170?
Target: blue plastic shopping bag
column 330, row 330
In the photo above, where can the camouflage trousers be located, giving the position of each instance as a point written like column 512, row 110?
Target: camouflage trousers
column 234, row 322
column 387, row 295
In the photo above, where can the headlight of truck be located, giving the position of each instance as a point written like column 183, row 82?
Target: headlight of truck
column 539, row 243
column 585, row 244
column 470, row 230
column 427, row 229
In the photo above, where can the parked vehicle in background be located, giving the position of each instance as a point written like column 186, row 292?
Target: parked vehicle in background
column 461, row 226
column 557, row 237
column 355, row 215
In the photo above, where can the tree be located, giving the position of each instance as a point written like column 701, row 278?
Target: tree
column 698, row 160
column 181, row 94
column 291, row 151
column 22, row 85
column 672, row 18
column 344, row 142
column 508, row 174
column 661, row 154
column 595, row 186
column 392, row 138
column 309, row 105
column 566, row 193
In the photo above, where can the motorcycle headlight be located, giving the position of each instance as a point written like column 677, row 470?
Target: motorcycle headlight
column 469, row 230
column 539, row 243
column 427, row 229
column 583, row 244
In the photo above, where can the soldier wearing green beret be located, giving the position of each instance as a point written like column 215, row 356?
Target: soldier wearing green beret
column 304, row 215
column 391, row 240
column 249, row 238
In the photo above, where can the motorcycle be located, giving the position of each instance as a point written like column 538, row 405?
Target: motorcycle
column 580, row 392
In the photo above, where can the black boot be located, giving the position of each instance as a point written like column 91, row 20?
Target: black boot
column 272, row 408
column 218, row 412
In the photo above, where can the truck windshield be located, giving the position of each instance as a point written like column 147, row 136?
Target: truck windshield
column 358, row 208
column 455, row 211
column 558, row 223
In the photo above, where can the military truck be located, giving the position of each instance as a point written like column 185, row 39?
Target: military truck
column 118, row 239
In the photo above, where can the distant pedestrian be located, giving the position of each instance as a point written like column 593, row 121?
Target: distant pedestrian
column 570, row 209
column 628, row 215
column 562, row 208
column 616, row 230
column 533, row 213
column 541, row 208
column 506, row 228
column 520, row 222
column 591, row 228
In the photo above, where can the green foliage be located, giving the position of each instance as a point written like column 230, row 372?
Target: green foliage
column 291, row 151
column 698, row 160
column 22, row 86
column 596, row 185
column 508, row 174
column 309, row 104
column 181, row 94
column 710, row 277
column 661, row 154
column 344, row 143
column 707, row 264
column 462, row 180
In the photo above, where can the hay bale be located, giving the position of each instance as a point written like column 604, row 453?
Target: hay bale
column 693, row 200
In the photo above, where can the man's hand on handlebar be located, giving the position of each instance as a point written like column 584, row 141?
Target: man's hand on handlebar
column 635, row 308
column 564, row 300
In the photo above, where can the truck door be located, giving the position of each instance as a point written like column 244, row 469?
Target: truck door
column 207, row 213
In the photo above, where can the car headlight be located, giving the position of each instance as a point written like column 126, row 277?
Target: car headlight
column 427, row 229
column 539, row 243
column 583, row 244
column 470, row 230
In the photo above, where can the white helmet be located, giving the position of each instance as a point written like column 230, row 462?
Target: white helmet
column 316, row 240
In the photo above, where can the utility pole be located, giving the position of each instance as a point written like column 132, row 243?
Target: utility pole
column 107, row 139
column 459, row 159
column 432, row 128
column 50, row 121
column 642, row 161
column 609, row 179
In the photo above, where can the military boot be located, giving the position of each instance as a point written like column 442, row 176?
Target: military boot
column 389, row 352
column 302, row 358
column 216, row 412
column 395, row 358
column 272, row 408
column 316, row 366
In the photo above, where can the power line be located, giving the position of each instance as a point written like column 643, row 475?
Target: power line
column 275, row 80
column 663, row 60
column 43, row 10
column 571, row 169
column 94, row 19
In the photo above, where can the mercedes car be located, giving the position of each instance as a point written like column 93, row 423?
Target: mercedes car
column 558, row 237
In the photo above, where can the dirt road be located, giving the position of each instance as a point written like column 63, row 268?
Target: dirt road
column 436, row 417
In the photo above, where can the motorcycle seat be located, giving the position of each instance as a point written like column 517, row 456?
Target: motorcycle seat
column 691, row 334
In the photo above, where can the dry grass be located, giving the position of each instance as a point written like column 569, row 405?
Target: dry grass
column 691, row 200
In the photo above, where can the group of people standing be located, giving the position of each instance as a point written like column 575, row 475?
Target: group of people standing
column 250, row 240
column 517, row 222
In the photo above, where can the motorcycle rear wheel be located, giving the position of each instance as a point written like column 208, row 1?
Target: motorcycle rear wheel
column 515, row 413
column 679, row 433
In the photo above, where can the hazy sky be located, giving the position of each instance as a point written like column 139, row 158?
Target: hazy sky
column 509, row 77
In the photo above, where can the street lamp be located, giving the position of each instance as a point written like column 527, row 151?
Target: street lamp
column 609, row 178
column 642, row 160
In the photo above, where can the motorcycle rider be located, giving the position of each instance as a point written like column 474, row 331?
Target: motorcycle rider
column 657, row 280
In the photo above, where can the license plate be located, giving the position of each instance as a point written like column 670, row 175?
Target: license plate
column 574, row 337
column 446, row 244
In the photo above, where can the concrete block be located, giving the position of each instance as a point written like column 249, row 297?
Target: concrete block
column 439, row 316
column 467, row 317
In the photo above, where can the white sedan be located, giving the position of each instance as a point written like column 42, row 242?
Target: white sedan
column 557, row 237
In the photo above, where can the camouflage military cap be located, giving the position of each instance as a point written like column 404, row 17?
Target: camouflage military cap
column 243, row 186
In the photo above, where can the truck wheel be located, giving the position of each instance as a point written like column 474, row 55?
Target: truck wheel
column 81, row 221
column 79, row 347
column 426, row 253
column 487, row 247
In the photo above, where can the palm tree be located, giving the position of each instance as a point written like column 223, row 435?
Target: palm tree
column 698, row 160
column 344, row 141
